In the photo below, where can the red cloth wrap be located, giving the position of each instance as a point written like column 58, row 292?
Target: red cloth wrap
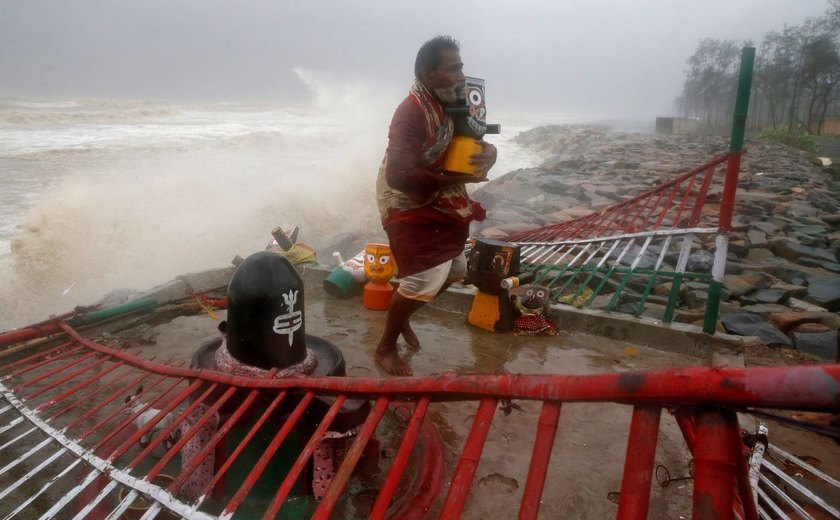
column 425, row 236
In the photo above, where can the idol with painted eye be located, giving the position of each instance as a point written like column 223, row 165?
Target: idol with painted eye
column 380, row 266
column 532, row 302
column 531, row 299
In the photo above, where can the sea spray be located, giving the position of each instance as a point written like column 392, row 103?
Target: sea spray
column 133, row 214
column 103, row 195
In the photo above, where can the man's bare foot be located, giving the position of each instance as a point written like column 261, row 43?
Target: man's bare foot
column 410, row 337
column 391, row 362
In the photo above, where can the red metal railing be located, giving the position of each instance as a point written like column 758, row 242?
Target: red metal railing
column 105, row 435
column 667, row 204
column 621, row 250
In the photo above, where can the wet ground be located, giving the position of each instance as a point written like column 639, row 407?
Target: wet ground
column 590, row 446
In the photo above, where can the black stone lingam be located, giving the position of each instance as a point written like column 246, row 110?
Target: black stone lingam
column 265, row 328
column 265, row 323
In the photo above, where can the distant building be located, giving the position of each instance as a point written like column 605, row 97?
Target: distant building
column 676, row 125
column 831, row 126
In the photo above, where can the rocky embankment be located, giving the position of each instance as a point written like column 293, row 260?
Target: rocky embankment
column 783, row 270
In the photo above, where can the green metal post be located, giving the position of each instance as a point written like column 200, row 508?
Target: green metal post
column 733, row 165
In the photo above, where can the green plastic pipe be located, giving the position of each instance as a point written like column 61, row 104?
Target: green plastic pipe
column 110, row 312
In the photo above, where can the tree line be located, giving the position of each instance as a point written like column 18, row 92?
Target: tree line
column 796, row 82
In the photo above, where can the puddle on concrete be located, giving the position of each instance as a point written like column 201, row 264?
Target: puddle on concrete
column 592, row 438
column 591, row 443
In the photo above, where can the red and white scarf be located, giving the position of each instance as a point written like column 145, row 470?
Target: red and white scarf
column 452, row 200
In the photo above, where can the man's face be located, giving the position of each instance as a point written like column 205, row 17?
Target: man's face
column 447, row 80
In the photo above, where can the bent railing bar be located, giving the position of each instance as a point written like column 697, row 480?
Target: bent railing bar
column 621, row 223
column 13, row 441
column 194, row 429
column 185, row 438
column 592, row 273
column 641, row 254
column 220, row 434
column 767, row 499
column 714, row 463
column 746, row 503
column 257, row 469
column 652, row 281
column 666, row 207
column 22, row 458
column 581, row 225
column 540, row 456
column 804, row 465
column 300, row 463
column 149, row 426
column 683, row 202
column 682, row 261
column 43, row 489
column 85, row 399
column 81, row 386
column 521, row 235
column 121, row 408
column 778, row 492
column 756, row 455
column 100, row 466
column 121, row 425
column 658, row 233
column 608, row 218
column 580, row 268
column 568, row 265
column 700, row 200
column 816, row 386
column 653, row 210
column 793, row 483
column 645, row 207
column 634, row 497
column 624, row 281
column 545, row 253
column 29, row 359
column 34, row 471
column 58, row 357
column 66, row 378
column 352, row 457
column 123, row 448
column 395, row 473
column 462, row 479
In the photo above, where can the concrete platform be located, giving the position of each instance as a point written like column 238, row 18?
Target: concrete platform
column 591, row 443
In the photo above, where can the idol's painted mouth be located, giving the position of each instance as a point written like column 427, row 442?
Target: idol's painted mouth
column 531, row 304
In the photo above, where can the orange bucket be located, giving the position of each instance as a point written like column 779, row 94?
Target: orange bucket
column 377, row 296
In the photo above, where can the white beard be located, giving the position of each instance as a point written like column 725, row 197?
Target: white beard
column 451, row 95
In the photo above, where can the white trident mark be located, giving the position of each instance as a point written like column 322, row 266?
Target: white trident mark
column 291, row 321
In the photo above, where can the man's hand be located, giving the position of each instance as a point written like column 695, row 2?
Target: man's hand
column 484, row 160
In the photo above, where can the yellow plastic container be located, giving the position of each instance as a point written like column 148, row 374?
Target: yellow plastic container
column 458, row 155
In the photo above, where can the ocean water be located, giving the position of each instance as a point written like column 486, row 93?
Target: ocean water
column 100, row 195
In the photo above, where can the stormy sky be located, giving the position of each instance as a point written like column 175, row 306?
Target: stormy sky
column 579, row 57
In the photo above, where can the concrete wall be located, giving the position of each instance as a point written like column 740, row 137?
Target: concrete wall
column 831, row 126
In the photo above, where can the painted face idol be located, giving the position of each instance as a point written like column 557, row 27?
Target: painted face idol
column 379, row 263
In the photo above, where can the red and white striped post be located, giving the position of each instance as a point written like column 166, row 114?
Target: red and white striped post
column 733, row 165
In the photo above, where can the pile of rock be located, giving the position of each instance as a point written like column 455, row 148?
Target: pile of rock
column 783, row 271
